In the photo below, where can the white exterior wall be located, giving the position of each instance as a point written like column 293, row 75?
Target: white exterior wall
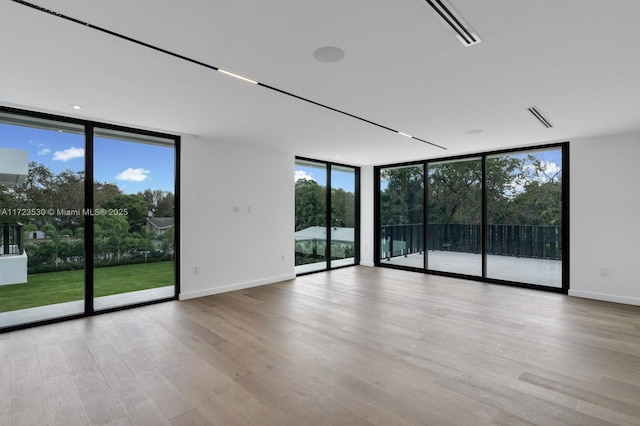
column 13, row 269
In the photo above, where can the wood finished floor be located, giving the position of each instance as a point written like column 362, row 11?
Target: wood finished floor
column 355, row 346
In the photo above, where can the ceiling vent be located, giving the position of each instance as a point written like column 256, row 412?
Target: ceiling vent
column 540, row 117
column 453, row 20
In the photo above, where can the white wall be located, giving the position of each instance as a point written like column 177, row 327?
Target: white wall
column 605, row 218
column 234, row 250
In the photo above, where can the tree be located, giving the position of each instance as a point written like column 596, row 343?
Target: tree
column 103, row 192
column 134, row 206
column 455, row 192
column 160, row 202
column 168, row 241
column 310, row 204
column 110, row 232
column 402, row 199
column 342, row 208
column 52, row 247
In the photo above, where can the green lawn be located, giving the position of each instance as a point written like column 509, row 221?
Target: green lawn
column 66, row 286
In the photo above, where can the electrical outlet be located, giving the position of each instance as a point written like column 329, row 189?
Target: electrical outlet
column 196, row 270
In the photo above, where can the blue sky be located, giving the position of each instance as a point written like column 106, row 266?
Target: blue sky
column 339, row 179
column 132, row 166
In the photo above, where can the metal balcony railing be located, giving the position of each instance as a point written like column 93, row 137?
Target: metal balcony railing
column 531, row 241
column 12, row 238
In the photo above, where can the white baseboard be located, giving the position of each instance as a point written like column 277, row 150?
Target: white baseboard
column 367, row 263
column 605, row 297
column 233, row 287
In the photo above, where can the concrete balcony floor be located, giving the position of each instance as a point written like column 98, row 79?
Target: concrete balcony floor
column 545, row 272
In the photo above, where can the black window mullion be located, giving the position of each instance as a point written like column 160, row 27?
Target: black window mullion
column 328, row 218
column 425, row 209
column 356, row 213
column 88, row 221
column 565, row 218
column 484, row 217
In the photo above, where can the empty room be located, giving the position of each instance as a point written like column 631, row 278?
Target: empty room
column 419, row 212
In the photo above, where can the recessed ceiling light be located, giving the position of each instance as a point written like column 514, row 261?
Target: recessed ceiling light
column 474, row 131
column 76, row 106
column 328, row 54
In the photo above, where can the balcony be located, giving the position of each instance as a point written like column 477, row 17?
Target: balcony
column 522, row 253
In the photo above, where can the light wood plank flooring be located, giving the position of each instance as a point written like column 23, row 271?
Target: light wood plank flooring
column 356, row 346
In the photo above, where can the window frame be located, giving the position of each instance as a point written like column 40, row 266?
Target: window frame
column 563, row 146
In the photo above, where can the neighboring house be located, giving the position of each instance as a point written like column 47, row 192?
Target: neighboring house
column 36, row 235
column 159, row 225
column 308, row 240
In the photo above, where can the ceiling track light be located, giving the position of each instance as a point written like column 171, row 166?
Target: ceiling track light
column 540, row 117
column 211, row 67
column 239, row 77
column 453, row 20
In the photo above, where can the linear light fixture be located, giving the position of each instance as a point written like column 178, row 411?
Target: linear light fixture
column 452, row 19
column 237, row 76
column 540, row 117
column 211, row 67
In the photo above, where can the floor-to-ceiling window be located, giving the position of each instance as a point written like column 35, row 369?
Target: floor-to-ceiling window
column 87, row 217
column 401, row 213
column 326, row 215
column 42, row 261
column 498, row 216
column 134, row 239
column 454, row 237
column 525, row 216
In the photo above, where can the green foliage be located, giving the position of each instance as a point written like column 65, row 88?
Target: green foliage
column 161, row 203
column 455, row 192
column 311, row 206
column 133, row 207
column 521, row 189
column 311, row 202
column 402, row 201
column 118, row 238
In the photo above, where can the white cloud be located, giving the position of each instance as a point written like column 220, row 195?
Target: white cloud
column 301, row 174
column 44, row 151
column 133, row 175
column 548, row 171
column 68, row 154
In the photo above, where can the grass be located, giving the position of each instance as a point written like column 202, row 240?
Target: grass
column 66, row 286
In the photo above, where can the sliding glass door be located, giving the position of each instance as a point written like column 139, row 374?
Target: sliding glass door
column 401, row 230
column 87, row 217
column 134, row 218
column 454, row 236
column 42, row 181
column 500, row 217
column 326, row 215
column 524, row 217
column 343, row 216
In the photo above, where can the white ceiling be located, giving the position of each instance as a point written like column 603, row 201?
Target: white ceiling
column 576, row 60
